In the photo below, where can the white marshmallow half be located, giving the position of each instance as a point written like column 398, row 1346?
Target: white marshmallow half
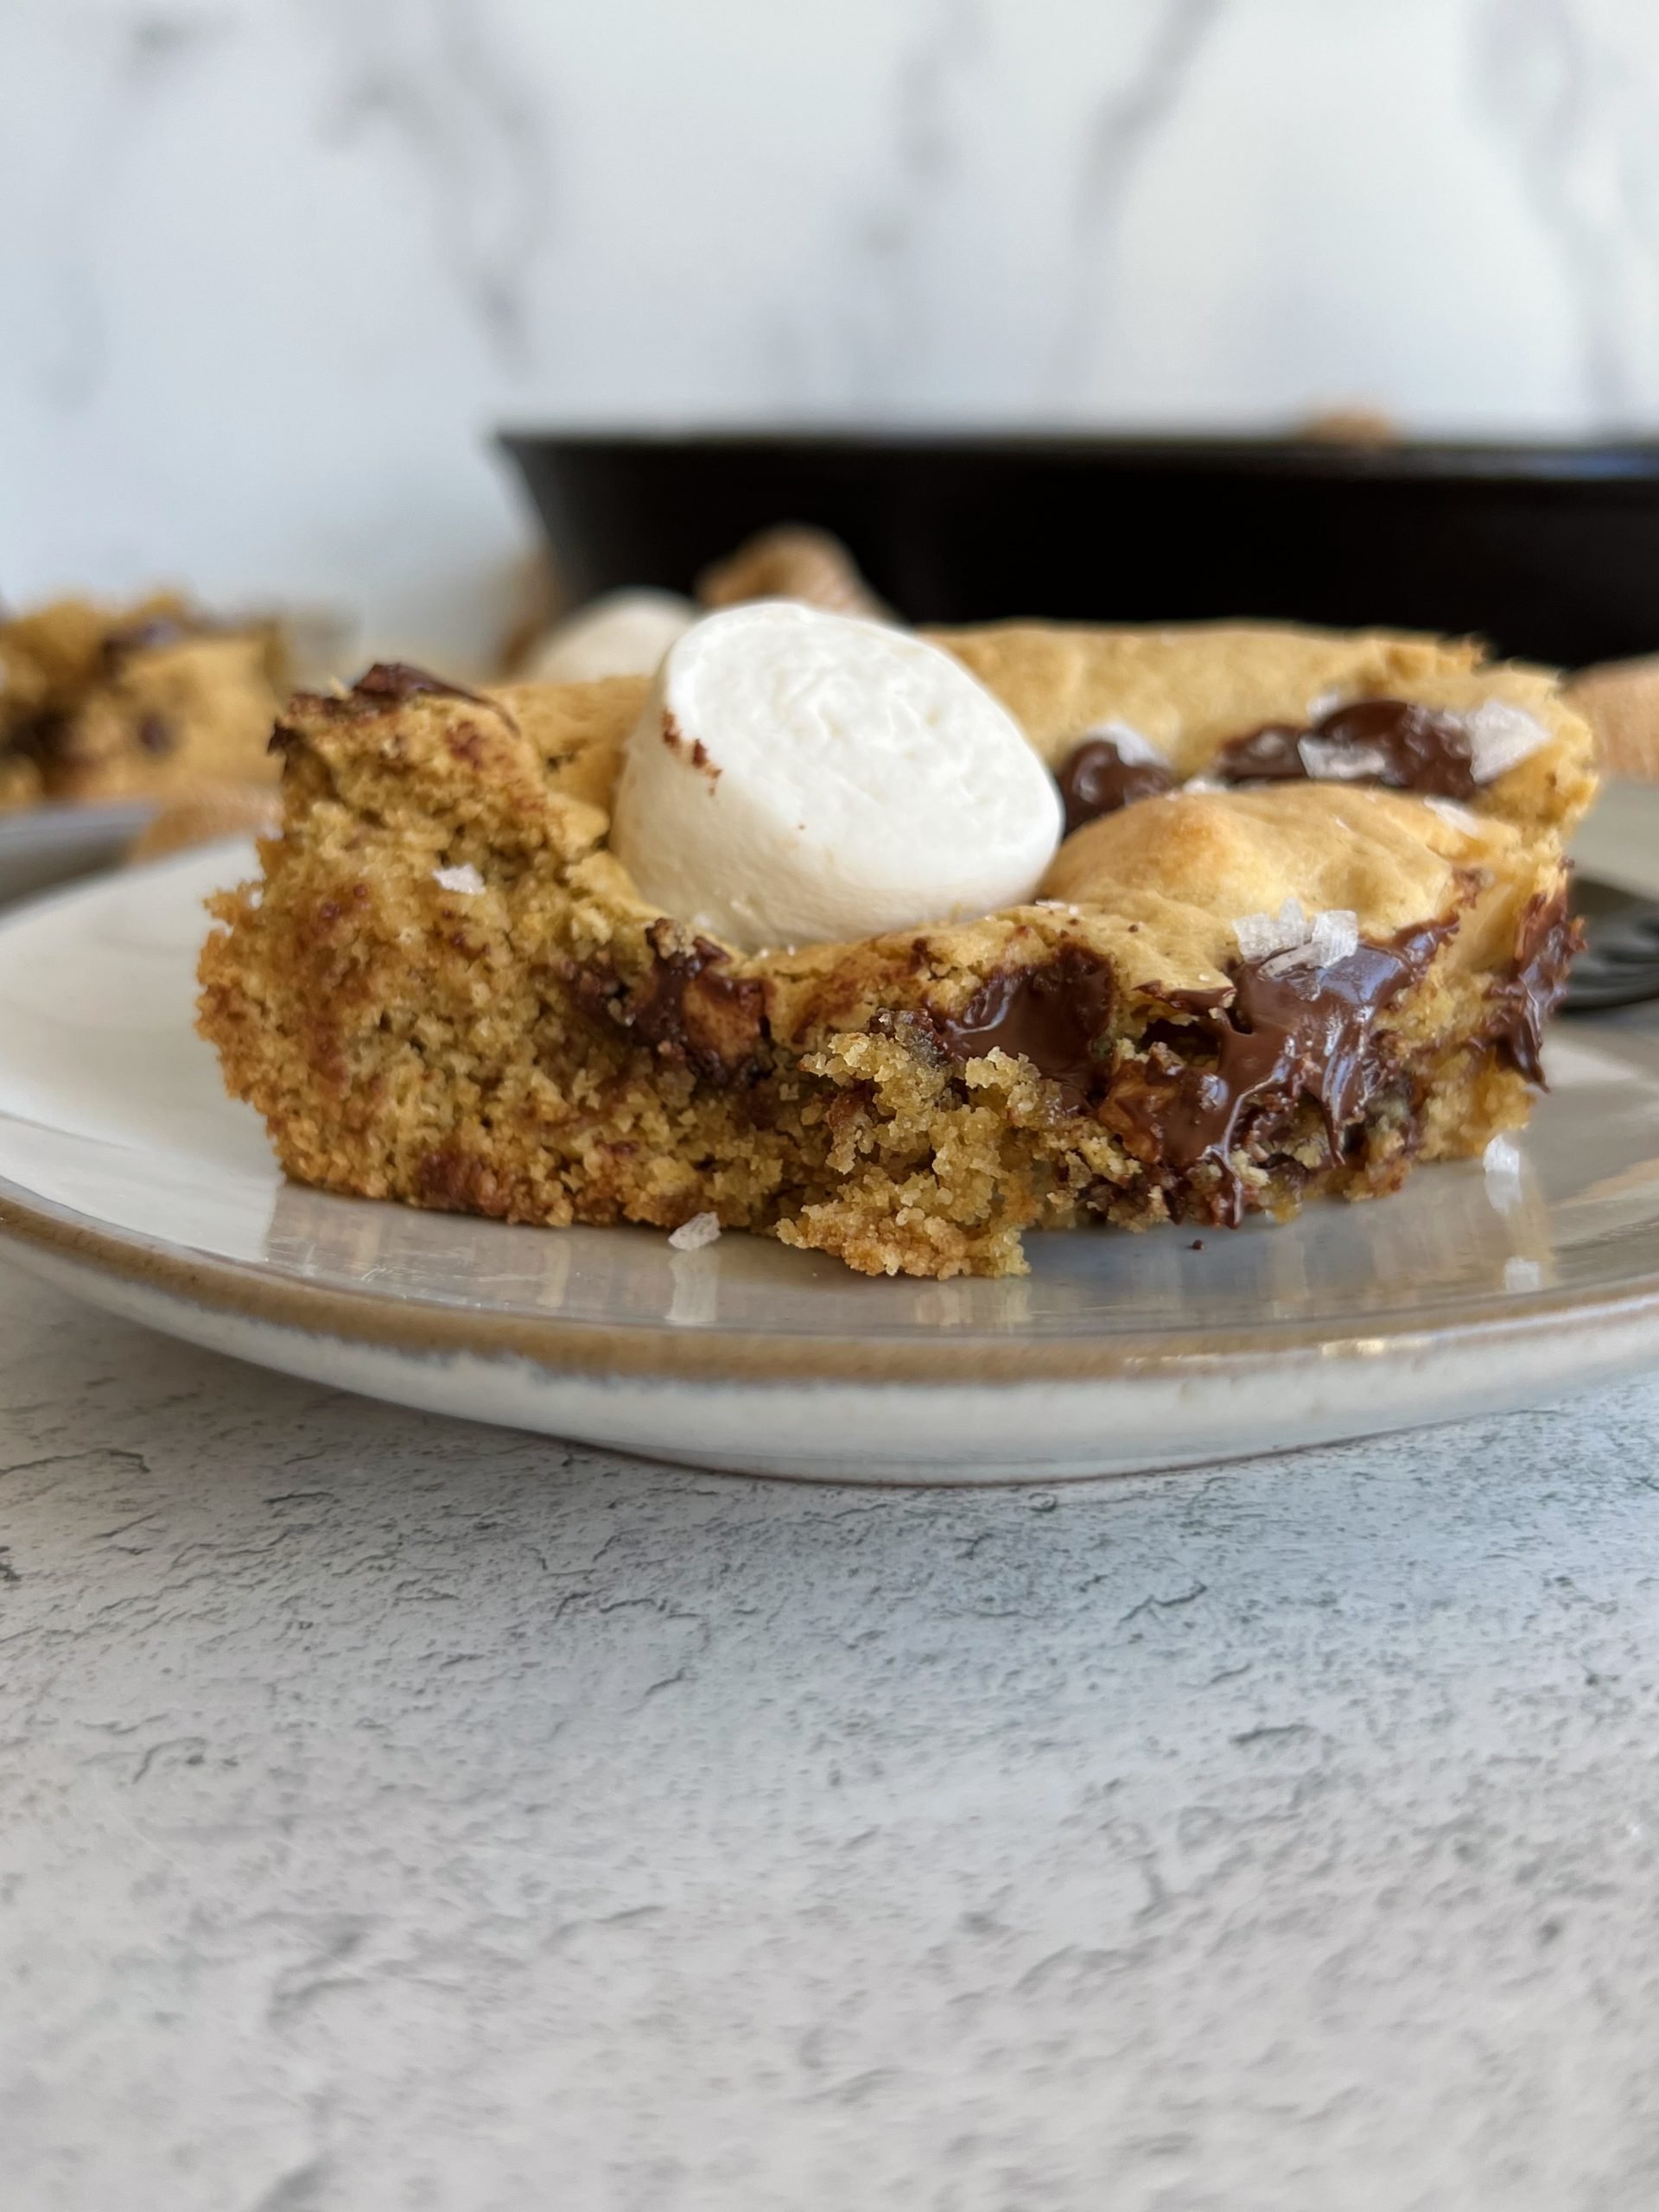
column 801, row 778
column 625, row 633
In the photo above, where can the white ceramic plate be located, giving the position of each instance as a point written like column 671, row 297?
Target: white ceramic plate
column 40, row 846
column 126, row 1175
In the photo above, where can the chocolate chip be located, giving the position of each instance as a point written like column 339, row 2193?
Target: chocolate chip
column 39, row 738
column 688, row 1011
column 1054, row 1015
column 1097, row 780
column 1525, row 998
column 1392, row 742
column 399, row 680
column 1269, row 755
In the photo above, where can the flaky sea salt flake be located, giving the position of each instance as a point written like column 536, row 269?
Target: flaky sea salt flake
column 1293, row 938
column 1261, row 935
column 1454, row 814
column 465, row 878
column 1502, row 1165
column 1133, row 749
column 1334, row 935
column 694, row 1235
column 1328, row 762
column 1500, row 737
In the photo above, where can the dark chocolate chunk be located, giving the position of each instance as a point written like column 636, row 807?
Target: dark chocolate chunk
column 39, row 737
column 157, row 735
column 1053, row 1015
column 1421, row 750
column 1268, row 755
column 1525, row 999
column 453, row 1180
column 688, row 1011
column 1392, row 742
column 398, row 680
column 1287, row 1033
column 1097, row 780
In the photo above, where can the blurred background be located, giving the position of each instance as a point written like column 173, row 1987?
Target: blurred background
column 275, row 269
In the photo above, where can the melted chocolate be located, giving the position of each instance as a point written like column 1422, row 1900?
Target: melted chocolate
column 1052, row 1016
column 1525, row 999
column 1097, row 780
column 1268, row 755
column 399, row 679
column 689, row 1014
column 1415, row 749
column 1285, row 1035
column 389, row 682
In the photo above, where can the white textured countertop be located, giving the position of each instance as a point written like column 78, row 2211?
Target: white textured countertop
column 399, row 1815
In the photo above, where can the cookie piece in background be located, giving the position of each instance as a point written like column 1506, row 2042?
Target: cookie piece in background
column 792, row 561
column 628, row 632
column 102, row 703
column 1620, row 699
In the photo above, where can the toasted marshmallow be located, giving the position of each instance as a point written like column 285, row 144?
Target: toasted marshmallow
column 625, row 633
column 799, row 777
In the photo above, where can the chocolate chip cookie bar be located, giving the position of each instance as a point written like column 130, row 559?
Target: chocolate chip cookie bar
column 1310, row 940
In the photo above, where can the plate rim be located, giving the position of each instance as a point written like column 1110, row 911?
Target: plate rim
column 561, row 1347
column 94, row 820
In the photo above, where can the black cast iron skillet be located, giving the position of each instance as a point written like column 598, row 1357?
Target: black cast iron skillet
column 1549, row 552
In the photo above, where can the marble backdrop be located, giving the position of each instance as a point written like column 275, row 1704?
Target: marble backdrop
column 272, row 269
